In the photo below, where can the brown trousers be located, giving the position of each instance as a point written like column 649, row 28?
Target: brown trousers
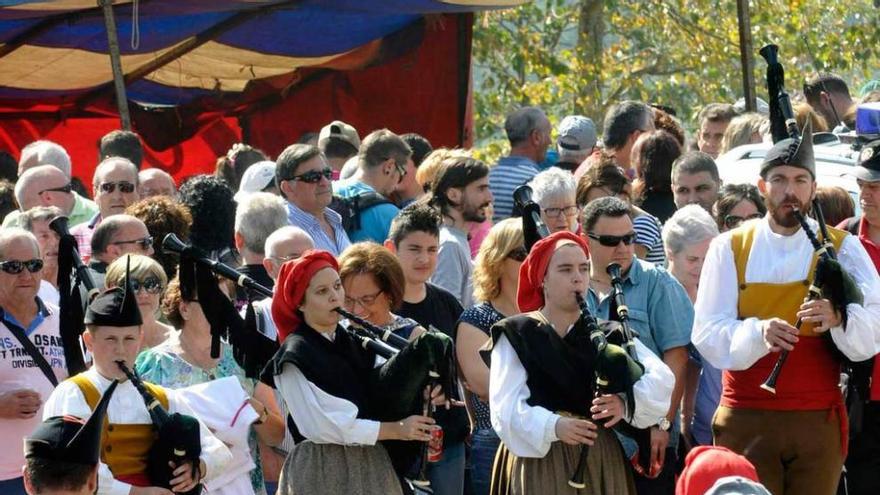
column 794, row 452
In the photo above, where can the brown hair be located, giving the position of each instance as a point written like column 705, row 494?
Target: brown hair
column 803, row 112
column 665, row 122
column 603, row 173
column 171, row 303
column 371, row 258
column 837, row 205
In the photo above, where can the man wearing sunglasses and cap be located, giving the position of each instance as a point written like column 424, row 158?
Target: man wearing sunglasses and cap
column 32, row 360
column 863, row 461
column 752, row 303
column 115, row 188
column 660, row 312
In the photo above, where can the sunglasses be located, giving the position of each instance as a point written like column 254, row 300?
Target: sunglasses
column 313, row 176
column 613, row 240
column 124, row 187
column 144, row 243
column 63, row 189
column 518, row 254
column 14, row 267
column 152, row 285
column 733, row 221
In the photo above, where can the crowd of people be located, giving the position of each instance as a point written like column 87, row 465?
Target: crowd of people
column 622, row 350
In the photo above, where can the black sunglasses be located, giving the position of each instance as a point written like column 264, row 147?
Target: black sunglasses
column 144, row 242
column 613, row 240
column 64, row 189
column 313, row 176
column 14, row 267
column 733, row 221
column 518, row 254
column 152, row 285
column 124, row 186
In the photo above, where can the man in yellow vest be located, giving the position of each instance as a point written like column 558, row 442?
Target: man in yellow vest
column 752, row 293
column 113, row 333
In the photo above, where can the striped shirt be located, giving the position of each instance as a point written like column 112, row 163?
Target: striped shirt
column 649, row 234
column 308, row 222
column 509, row 173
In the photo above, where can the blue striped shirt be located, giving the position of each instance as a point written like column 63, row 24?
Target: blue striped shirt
column 649, row 234
column 509, row 173
column 306, row 221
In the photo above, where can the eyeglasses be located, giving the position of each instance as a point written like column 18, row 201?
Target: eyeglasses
column 313, row 176
column 14, row 267
column 568, row 211
column 152, row 285
column 364, row 301
column 124, row 187
column 401, row 167
column 733, row 221
column 518, row 254
column 63, row 189
column 613, row 240
column 144, row 242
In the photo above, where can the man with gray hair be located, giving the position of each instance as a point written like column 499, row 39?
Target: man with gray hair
column 50, row 189
column 258, row 215
column 624, row 123
column 528, row 131
column 115, row 185
column 554, row 190
column 575, row 142
column 156, row 182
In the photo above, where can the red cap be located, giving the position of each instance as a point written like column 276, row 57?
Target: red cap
column 529, row 295
column 290, row 288
column 706, row 464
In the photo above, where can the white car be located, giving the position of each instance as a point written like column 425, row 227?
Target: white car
column 834, row 161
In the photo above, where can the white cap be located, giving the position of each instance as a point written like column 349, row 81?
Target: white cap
column 256, row 178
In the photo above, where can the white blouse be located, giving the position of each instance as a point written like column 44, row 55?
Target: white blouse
column 127, row 407
column 730, row 343
column 529, row 431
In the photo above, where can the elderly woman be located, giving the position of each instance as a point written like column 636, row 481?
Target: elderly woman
column 322, row 373
column 185, row 359
column 148, row 281
column 736, row 204
column 541, row 387
column 607, row 179
column 496, row 272
column 687, row 236
column 554, row 190
column 36, row 221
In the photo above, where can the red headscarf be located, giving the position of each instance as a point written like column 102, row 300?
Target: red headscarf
column 529, row 295
column 706, row 464
column 290, row 288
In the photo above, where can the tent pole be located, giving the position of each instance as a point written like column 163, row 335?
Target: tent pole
column 745, row 50
column 116, row 64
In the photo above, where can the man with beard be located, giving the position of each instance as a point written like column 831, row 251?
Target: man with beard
column 752, row 291
column 461, row 192
column 660, row 313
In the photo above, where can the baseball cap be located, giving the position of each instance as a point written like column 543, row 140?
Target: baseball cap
column 256, row 178
column 341, row 130
column 576, row 133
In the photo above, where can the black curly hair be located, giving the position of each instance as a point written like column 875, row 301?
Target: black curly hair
column 211, row 203
column 416, row 217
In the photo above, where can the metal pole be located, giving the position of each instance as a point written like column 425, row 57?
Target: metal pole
column 745, row 51
column 116, row 64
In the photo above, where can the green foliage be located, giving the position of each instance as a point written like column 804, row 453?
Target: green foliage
column 581, row 56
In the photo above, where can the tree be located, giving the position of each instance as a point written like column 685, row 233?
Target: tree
column 581, row 56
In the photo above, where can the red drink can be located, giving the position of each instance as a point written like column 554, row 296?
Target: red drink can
column 435, row 445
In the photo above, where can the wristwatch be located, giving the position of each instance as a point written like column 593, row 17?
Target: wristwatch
column 664, row 424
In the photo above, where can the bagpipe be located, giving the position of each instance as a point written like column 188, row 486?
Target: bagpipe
column 533, row 227
column 830, row 280
column 177, row 441
column 395, row 387
column 72, row 273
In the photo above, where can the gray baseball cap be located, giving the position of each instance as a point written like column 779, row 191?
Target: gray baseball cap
column 576, row 133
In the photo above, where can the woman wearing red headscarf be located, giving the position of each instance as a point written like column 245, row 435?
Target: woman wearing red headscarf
column 321, row 373
column 541, row 384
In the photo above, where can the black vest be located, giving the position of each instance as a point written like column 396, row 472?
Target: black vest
column 559, row 369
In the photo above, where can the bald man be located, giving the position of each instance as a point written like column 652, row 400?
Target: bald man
column 48, row 185
column 156, row 182
column 115, row 185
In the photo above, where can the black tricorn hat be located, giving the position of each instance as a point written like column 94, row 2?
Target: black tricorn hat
column 115, row 307
column 68, row 438
column 792, row 152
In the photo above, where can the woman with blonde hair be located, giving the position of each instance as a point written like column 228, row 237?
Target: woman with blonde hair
column 148, row 281
column 743, row 129
column 496, row 275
